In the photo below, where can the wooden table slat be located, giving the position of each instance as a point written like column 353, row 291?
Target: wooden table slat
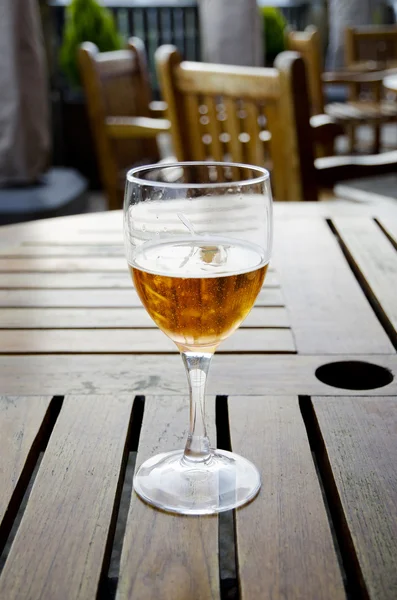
column 70, row 264
column 100, row 298
column 284, row 543
column 101, row 318
column 246, row 374
column 360, row 445
column 33, row 250
column 328, row 310
column 61, row 542
column 376, row 259
column 82, row 280
column 75, row 341
column 22, row 424
column 167, row 556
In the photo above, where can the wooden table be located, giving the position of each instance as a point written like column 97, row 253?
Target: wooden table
column 390, row 83
column 87, row 381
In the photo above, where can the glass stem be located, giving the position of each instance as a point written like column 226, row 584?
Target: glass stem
column 197, row 447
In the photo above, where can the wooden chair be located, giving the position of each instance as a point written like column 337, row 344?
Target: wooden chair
column 218, row 112
column 308, row 44
column 224, row 112
column 357, row 111
column 371, row 48
column 122, row 119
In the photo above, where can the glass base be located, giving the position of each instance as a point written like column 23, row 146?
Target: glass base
column 175, row 484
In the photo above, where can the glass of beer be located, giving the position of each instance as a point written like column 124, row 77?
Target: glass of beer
column 198, row 239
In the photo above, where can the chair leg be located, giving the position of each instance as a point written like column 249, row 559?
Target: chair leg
column 377, row 133
column 351, row 133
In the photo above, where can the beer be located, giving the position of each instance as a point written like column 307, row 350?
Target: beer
column 198, row 290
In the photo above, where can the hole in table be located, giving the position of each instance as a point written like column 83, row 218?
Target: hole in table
column 354, row 375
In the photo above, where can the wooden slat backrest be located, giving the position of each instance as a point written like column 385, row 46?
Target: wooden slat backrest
column 116, row 84
column 371, row 43
column 219, row 112
column 308, row 44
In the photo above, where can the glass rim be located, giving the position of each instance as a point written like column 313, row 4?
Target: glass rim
column 132, row 176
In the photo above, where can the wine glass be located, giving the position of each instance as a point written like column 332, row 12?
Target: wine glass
column 198, row 239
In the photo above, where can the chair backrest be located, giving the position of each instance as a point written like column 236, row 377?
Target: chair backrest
column 308, row 44
column 372, row 43
column 116, row 84
column 224, row 112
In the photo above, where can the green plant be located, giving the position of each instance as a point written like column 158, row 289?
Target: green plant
column 274, row 25
column 86, row 21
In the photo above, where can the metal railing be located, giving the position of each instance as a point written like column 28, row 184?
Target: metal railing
column 156, row 23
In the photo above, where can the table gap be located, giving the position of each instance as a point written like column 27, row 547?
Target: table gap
column 365, row 286
column 387, row 234
column 108, row 586
column 24, row 486
column 18, row 517
column 229, row 587
column 348, row 563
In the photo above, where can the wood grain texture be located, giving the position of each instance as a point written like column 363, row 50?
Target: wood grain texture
column 284, row 543
column 78, row 280
column 101, row 318
column 82, row 280
column 108, row 298
column 376, row 259
column 360, row 446
column 253, row 374
column 74, row 341
column 61, row 543
column 62, row 250
column 328, row 310
column 22, row 424
column 57, row 265
column 167, row 556
column 227, row 80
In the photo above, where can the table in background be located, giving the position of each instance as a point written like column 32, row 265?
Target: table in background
column 87, row 380
column 390, row 83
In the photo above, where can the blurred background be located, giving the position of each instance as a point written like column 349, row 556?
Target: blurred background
column 48, row 150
